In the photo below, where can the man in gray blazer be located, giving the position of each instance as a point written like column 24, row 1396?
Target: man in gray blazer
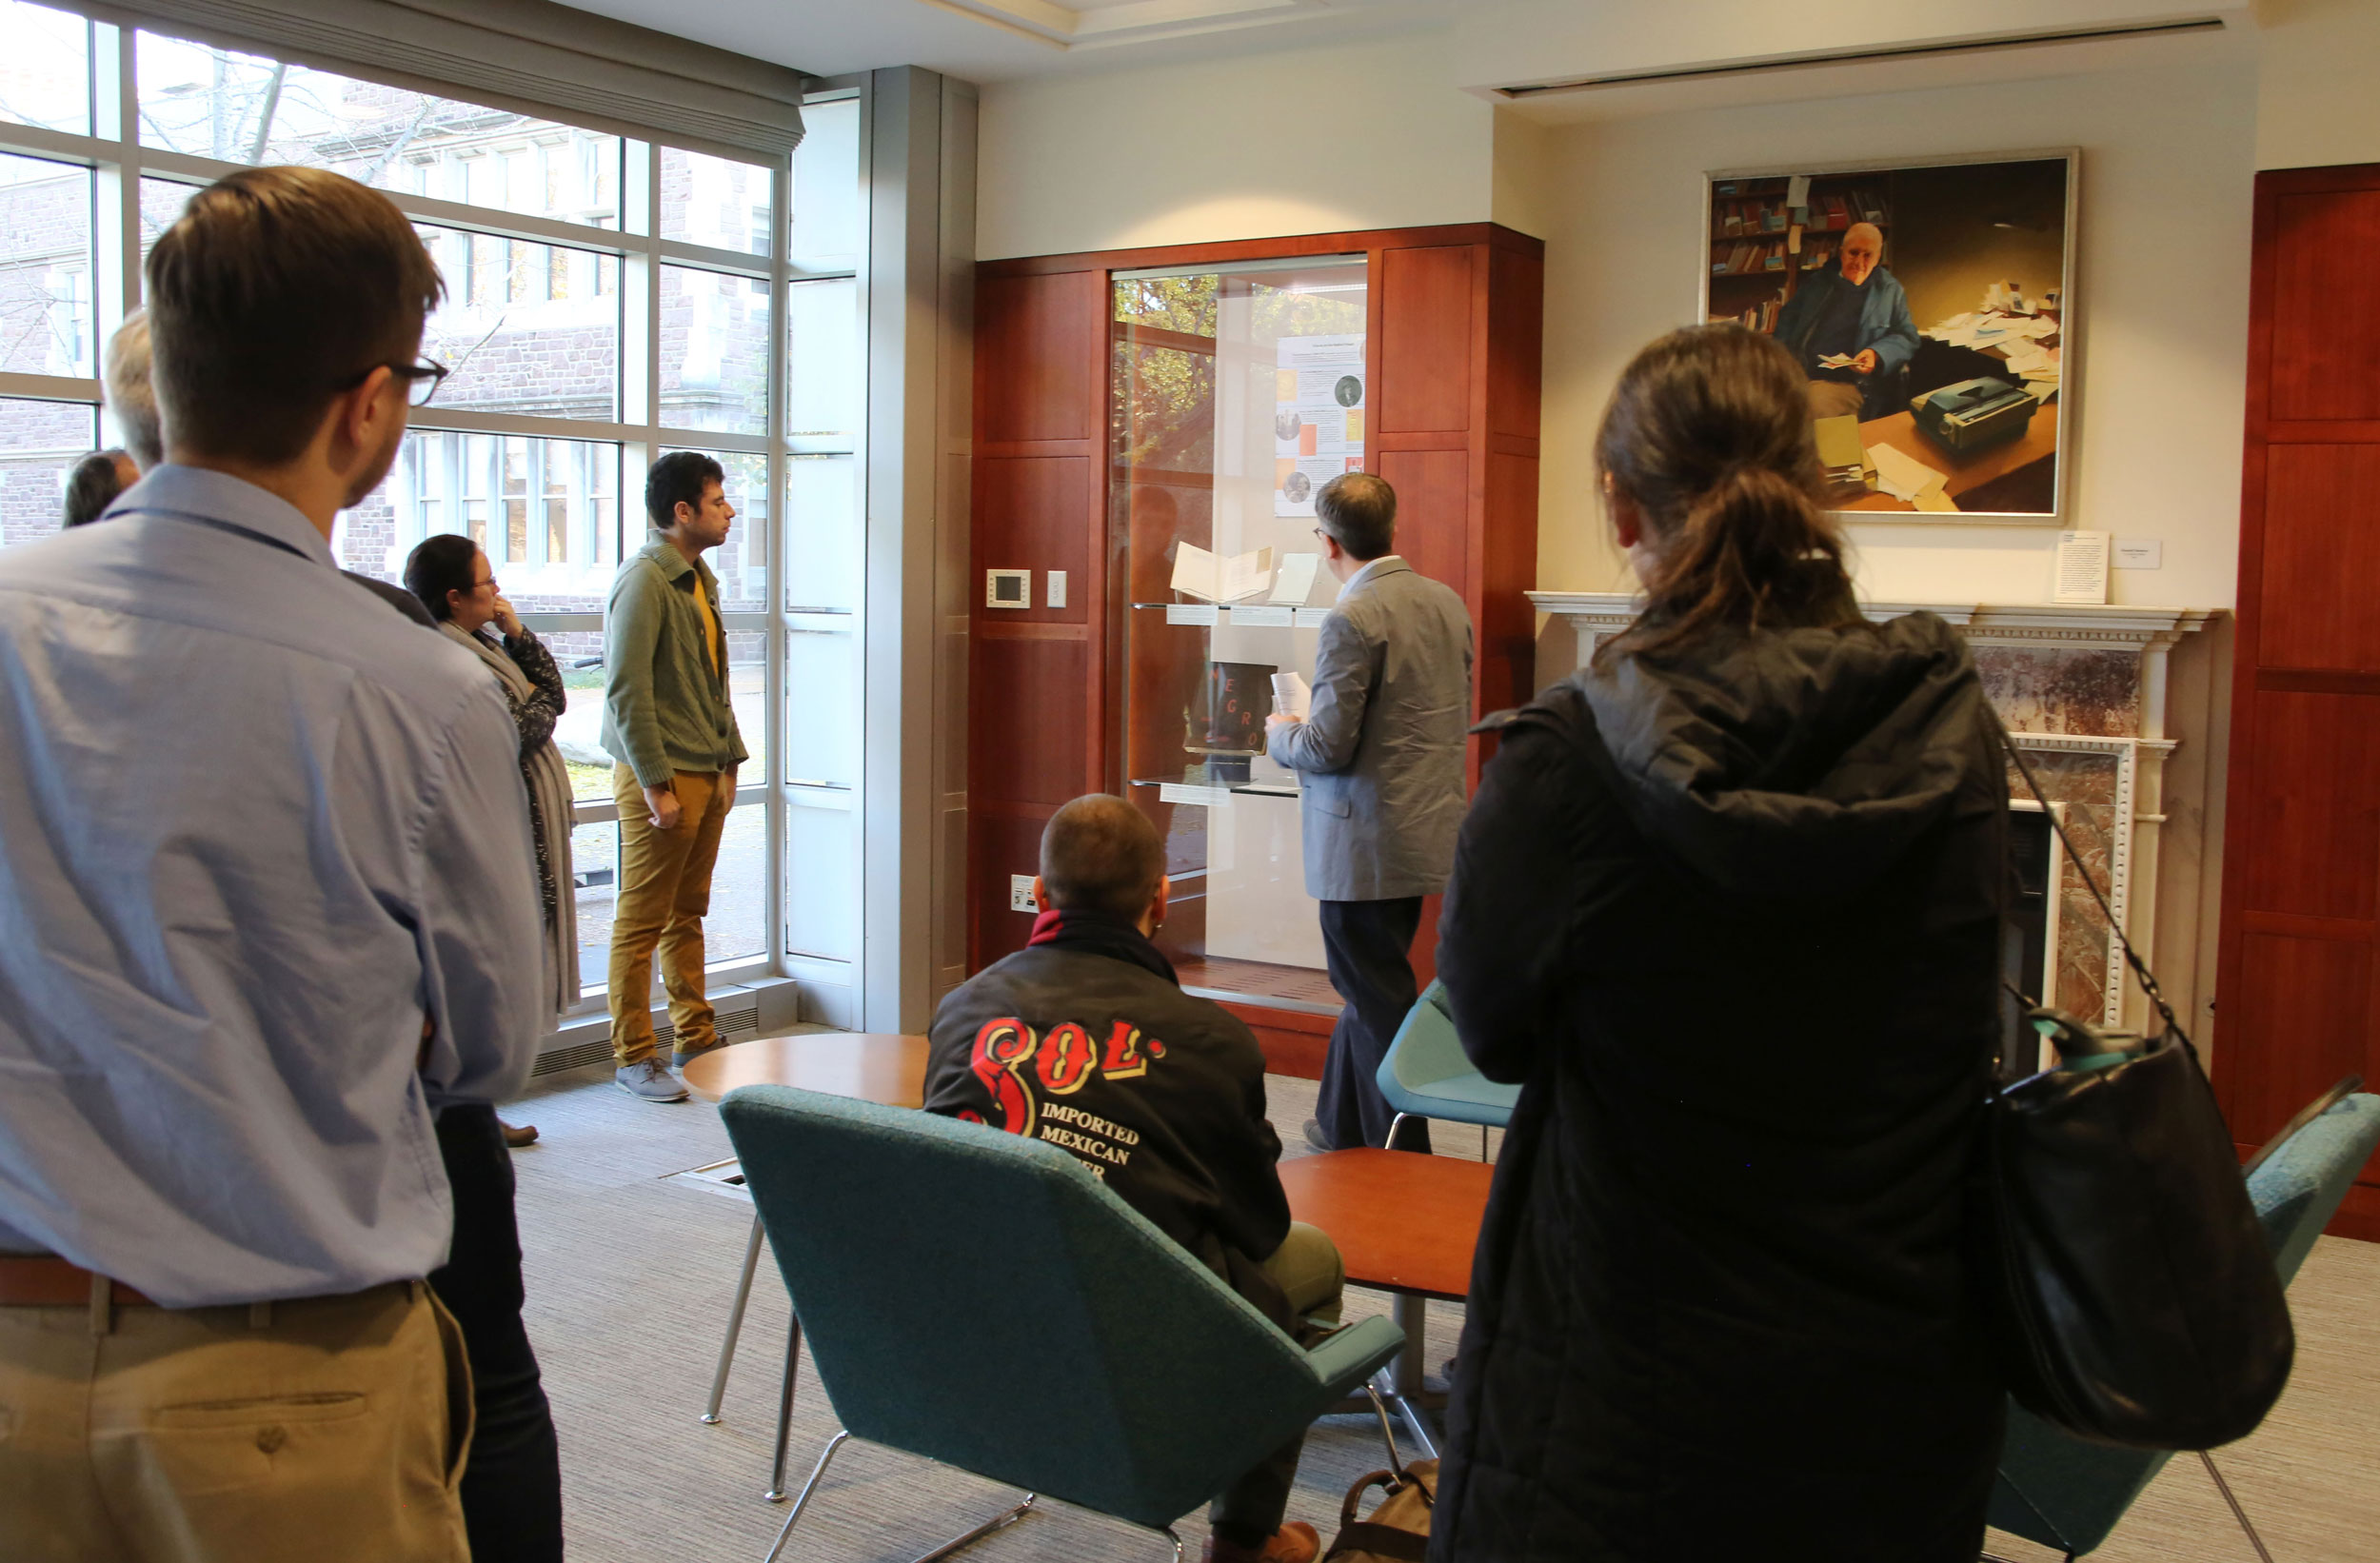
column 1381, row 757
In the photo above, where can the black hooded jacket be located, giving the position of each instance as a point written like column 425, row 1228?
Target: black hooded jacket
column 1085, row 1039
column 1730, row 917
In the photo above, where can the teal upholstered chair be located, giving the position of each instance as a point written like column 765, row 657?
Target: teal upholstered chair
column 982, row 1299
column 2066, row 1493
column 1425, row 1073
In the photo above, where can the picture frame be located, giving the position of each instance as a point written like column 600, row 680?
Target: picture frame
column 1931, row 303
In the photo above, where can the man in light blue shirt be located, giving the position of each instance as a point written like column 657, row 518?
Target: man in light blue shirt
column 266, row 897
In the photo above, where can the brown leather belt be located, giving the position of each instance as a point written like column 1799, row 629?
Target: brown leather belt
column 43, row 1280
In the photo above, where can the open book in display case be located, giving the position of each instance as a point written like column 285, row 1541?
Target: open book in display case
column 1155, row 424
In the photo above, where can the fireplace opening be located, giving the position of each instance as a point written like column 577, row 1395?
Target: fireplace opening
column 2028, row 937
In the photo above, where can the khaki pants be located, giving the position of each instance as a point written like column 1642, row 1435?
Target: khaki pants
column 1308, row 1269
column 326, row 1428
column 665, row 891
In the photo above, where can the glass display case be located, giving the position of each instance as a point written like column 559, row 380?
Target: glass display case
column 1236, row 392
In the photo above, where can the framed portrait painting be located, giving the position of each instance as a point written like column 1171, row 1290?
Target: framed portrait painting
column 1929, row 306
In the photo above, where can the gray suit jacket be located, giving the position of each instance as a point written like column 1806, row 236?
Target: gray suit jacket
column 1382, row 748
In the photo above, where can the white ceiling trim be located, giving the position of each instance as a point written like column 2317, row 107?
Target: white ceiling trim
column 1137, row 21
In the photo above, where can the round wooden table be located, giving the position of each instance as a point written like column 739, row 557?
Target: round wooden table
column 875, row 1066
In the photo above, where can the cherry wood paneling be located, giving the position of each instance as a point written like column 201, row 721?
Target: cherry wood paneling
column 1035, row 365
column 1427, row 339
column 1024, row 699
column 1030, row 512
column 1455, row 325
column 1433, row 510
column 1005, row 844
column 2317, row 809
column 2300, row 938
column 2325, row 313
column 1508, row 624
column 1515, row 347
column 2321, row 556
column 2297, row 1010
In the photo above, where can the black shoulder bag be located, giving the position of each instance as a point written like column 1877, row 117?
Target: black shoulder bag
column 2136, row 1295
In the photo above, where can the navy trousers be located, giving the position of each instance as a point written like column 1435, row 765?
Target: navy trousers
column 1369, row 947
column 512, row 1487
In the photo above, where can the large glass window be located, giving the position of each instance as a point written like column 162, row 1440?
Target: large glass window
column 39, row 442
column 46, row 316
column 46, row 79
column 607, row 300
column 234, row 107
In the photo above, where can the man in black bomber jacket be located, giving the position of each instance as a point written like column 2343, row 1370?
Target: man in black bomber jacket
column 1084, row 1038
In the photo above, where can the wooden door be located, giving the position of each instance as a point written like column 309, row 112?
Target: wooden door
column 2299, row 988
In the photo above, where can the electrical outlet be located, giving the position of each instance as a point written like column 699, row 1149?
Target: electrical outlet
column 1021, row 893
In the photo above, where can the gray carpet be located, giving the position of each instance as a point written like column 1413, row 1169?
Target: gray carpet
column 630, row 1277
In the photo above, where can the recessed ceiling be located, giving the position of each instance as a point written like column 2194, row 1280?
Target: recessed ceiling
column 1001, row 40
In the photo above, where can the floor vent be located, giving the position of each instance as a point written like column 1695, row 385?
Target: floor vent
column 576, row 1056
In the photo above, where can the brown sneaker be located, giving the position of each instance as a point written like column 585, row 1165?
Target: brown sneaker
column 1295, row 1542
column 518, row 1135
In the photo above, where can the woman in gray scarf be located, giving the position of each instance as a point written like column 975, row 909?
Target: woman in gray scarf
column 455, row 580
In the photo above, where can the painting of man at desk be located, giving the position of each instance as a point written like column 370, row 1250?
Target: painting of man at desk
column 1929, row 307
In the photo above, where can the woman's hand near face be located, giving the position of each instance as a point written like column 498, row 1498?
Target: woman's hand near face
column 507, row 619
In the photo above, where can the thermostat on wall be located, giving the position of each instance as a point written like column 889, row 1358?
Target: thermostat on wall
column 1007, row 588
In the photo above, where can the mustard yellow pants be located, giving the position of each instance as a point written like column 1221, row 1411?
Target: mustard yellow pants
column 664, row 892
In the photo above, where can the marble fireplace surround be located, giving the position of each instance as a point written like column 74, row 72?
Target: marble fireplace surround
column 2083, row 691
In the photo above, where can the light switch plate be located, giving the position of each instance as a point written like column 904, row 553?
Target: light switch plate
column 1021, row 893
column 1007, row 588
column 1056, row 596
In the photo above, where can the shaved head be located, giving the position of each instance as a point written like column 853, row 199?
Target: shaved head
column 1863, row 247
column 1100, row 854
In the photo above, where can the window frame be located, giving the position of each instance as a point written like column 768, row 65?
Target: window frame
column 119, row 162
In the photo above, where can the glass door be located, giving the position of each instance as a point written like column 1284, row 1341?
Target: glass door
column 1237, row 392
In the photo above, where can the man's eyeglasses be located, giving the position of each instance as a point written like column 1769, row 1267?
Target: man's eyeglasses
column 422, row 377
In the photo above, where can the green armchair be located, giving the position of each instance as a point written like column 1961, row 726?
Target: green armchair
column 985, row 1300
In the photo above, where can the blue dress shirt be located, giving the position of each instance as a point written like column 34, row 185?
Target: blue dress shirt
column 254, row 827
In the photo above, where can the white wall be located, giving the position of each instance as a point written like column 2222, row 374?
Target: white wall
column 2153, row 437
column 1311, row 142
column 2316, row 103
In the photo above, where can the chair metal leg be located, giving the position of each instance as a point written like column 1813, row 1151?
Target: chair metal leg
column 824, row 1458
column 1008, row 1516
column 1388, row 1141
column 2237, row 1512
column 1388, row 1432
column 1168, row 1533
column 735, row 1321
column 776, row 1493
column 998, row 1522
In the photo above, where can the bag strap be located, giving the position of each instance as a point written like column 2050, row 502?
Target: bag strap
column 1365, row 1536
column 2131, row 957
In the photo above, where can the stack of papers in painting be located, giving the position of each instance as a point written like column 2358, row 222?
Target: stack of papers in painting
column 2017, row 337
column 1909, row 480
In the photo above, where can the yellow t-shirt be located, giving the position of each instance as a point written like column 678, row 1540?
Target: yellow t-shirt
column 710, row 623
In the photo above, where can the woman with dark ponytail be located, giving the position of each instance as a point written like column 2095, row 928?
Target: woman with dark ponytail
column 1726, row 906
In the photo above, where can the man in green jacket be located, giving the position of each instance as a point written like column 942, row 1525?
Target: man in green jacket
column 670, row 726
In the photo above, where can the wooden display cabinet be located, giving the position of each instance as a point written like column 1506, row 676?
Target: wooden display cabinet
column 1130, row 404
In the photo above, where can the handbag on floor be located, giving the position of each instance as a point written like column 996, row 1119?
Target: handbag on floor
column 2136, row 1298
column 1398, row 1530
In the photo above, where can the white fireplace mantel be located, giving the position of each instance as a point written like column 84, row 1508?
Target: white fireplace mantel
column 2150, row 632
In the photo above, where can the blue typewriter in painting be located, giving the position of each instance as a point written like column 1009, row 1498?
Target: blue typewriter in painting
column 1973, row 414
